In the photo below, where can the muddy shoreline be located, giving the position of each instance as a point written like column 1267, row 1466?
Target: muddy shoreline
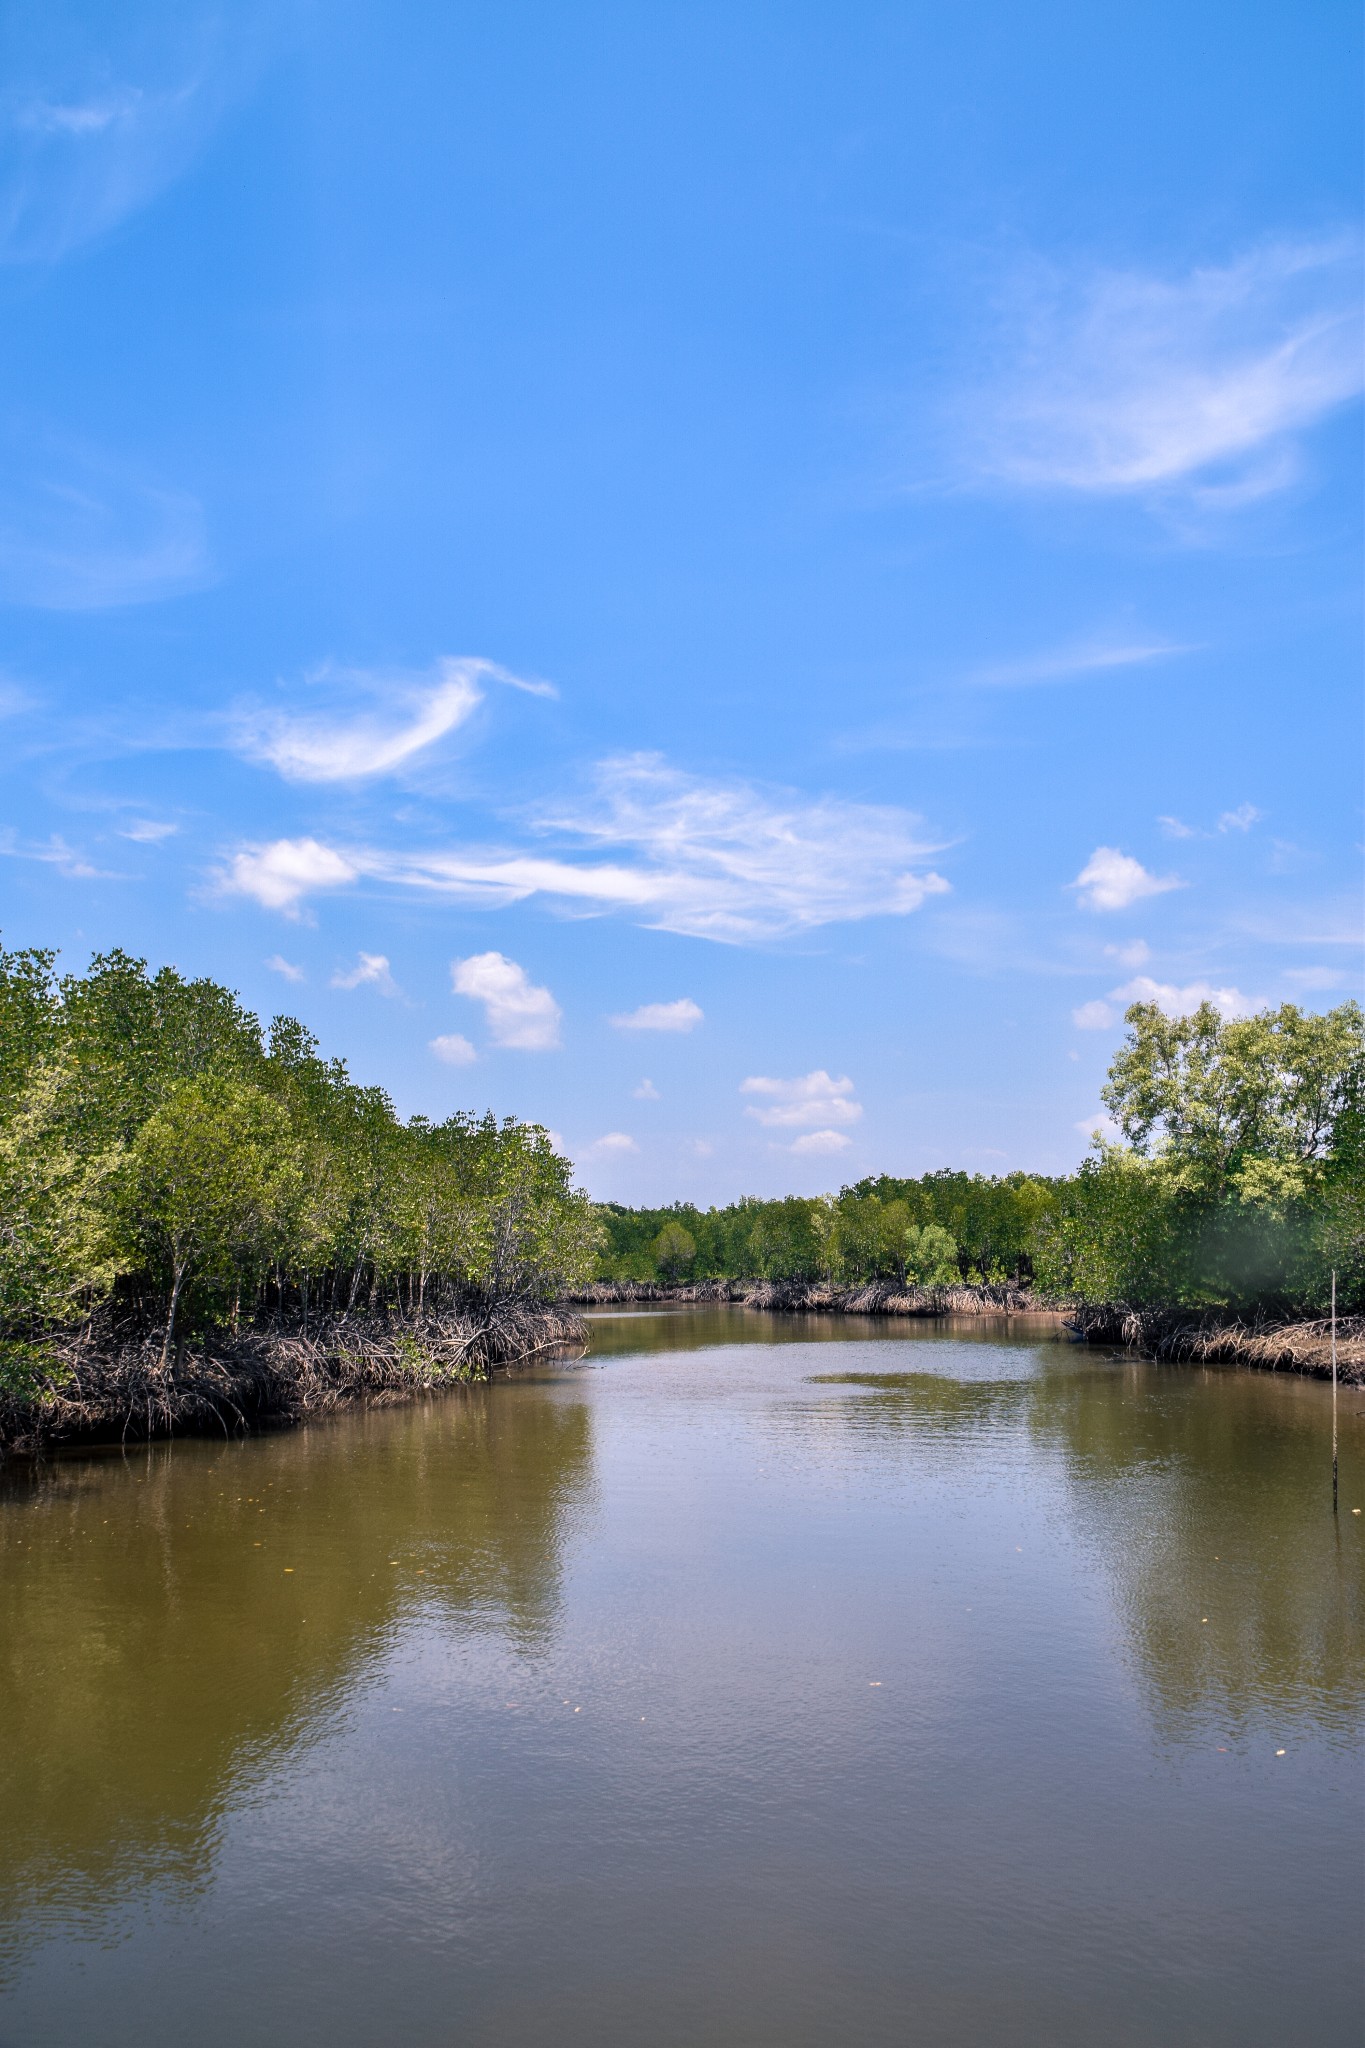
column 1169, row 1336
column 109, row 1387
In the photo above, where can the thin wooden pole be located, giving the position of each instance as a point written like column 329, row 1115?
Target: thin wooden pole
column 1334, row 1393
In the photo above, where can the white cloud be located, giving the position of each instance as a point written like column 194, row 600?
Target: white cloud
column 728, row 860
column 279, row 965
column 1179, row 1002
column 332, row 746
column 454, row 1050
column 1133, row 383
column 1094, row 1016
column 148, row 831
column 684, row 1015
column 278, row 876
column 717, row 860
column 1100, row 1125
column 1240, row 820
column 815, row 1143
column 613, row 1144
column 646, row 1092
column 1136, row 953
column 1064, row 663
column 813, row 1098
column 66, row 859
column 520, row 1015
column 370, row 971
column 1111, row 880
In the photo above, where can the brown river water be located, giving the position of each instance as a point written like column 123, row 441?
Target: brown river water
column 758, row 1681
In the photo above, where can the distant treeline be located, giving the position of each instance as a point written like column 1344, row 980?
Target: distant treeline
column 1238, row 1182
column 165, row 1163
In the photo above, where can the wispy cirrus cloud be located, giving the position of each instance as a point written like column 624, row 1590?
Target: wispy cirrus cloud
column 67, row 860
column 374, row 722
column 723, row 860
column 98, row 117
column 1129, row 383
column 1066, row 664
column 1112, row 880
column 82, row 530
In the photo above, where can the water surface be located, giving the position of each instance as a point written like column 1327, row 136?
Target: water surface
column 756, row 1681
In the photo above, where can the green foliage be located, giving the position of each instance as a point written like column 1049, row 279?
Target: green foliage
column 158, row 1154
column 931, row 1256
column 1242, row 1181
column 673, row 1251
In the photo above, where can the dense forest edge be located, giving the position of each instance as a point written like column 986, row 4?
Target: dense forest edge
column 1209, row 1228
column 205, row 1224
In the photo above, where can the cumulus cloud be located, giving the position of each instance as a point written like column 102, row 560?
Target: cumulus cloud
column 520, row 1015
column 280, row 875
column 613, row 1144
column 810, row 1099
column 1179, row 1002
column 817, row 1143
column 1203, row 384
column 1174, row 1000
column 413, row 713
column 646, row 1092
column 1111, row 880
column 454, row 1050
column 370, row 971
column 717, row 860
column 279, row 965
column 683, row 1015
column 1100, row 1125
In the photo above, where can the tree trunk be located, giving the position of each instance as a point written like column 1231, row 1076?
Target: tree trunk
column 176, row 1286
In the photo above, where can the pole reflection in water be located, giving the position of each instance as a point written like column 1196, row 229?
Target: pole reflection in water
column 761, row 1679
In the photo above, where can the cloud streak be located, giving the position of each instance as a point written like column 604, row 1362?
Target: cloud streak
column 1065, row 664
column 1132, row 383
column 414, row 714
column 718, row 860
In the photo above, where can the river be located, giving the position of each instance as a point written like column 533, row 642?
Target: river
column 755, row 1681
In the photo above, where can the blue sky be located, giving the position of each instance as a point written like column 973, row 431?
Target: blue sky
column 732, row 579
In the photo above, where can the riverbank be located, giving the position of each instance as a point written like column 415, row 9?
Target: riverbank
column 1170, row 1336
column 1175, row 1336
column 120, row 1388
column 801, row 1297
